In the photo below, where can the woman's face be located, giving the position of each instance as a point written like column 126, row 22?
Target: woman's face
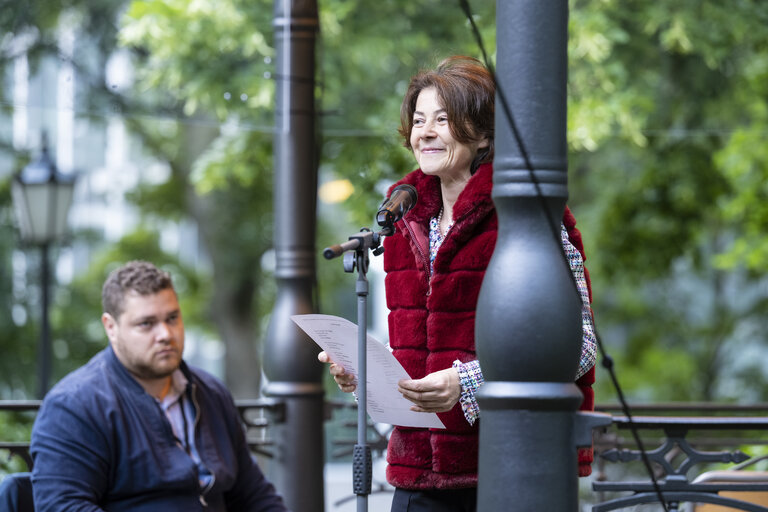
column 434, row 147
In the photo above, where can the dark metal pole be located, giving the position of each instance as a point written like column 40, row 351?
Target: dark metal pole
column 362, row 462
column 290, row 357
column 44, row 354
column 361, row 243
column 528, row 324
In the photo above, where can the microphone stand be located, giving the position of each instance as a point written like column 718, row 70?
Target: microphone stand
column 361, row 243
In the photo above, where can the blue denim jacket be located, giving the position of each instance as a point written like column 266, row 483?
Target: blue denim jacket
column 100, row 442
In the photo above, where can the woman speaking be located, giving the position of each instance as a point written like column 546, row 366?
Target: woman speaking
column 434, row 264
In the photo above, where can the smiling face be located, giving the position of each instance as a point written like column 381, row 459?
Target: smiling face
column 148, row 336
column 434, row 146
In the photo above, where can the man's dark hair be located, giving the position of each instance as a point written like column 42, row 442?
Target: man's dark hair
column 141, row 277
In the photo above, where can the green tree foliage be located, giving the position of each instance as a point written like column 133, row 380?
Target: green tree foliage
column 667, row 104
column 667, row 116
column 18, row 341
column 213, row 62
column 362, row 71
column 33, row 29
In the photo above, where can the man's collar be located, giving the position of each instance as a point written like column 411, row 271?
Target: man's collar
column 178, row 387
column 178, row 383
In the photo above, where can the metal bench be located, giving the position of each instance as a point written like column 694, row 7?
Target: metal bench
column 673, row 482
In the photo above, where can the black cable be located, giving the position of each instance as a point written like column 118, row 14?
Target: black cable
column 607, row 361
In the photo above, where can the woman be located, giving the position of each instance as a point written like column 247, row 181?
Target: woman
column 435, row 264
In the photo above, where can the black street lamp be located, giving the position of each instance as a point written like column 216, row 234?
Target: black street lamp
column 42, row 197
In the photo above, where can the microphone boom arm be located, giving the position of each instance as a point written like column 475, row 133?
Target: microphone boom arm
column 365, row 239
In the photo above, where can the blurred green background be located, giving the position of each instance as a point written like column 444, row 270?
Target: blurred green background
column 667, row 124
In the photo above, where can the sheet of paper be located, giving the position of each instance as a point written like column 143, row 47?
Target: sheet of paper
column 338, row 337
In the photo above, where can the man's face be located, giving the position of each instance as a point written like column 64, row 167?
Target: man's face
column 148, row 336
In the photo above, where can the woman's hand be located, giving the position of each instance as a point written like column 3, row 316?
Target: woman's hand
column 347, row 382
column 437, row 392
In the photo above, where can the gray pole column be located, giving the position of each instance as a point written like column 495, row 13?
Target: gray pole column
column 44, row 356
column 290, row 357
column 528, row 326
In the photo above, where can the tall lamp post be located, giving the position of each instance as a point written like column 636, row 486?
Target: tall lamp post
column 42, row 197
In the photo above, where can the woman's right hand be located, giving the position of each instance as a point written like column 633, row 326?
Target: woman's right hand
column 347, row 382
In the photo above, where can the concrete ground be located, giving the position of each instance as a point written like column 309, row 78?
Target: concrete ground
column 339, row 496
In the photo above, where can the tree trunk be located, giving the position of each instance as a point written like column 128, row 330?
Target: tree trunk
column 235, row 271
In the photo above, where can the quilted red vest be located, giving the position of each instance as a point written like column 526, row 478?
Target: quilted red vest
column 432, row 323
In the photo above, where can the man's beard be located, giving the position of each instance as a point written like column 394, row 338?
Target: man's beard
column 149, row 371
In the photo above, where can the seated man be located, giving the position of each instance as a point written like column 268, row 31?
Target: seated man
column 136, row 428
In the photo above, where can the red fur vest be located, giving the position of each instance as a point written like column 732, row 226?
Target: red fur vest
column 432, row 323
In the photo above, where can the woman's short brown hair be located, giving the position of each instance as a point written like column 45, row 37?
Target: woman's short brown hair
column 467, row 92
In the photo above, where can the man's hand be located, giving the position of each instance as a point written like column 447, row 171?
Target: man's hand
column 437, row 392
column 347, row 382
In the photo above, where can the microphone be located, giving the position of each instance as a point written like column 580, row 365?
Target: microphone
column 402, row 199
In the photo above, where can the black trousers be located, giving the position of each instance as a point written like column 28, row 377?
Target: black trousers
column 449, row 500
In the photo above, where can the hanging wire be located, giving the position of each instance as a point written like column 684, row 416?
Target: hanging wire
column 607, row 360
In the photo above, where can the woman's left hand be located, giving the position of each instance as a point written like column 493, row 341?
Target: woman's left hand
column 437, row 392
